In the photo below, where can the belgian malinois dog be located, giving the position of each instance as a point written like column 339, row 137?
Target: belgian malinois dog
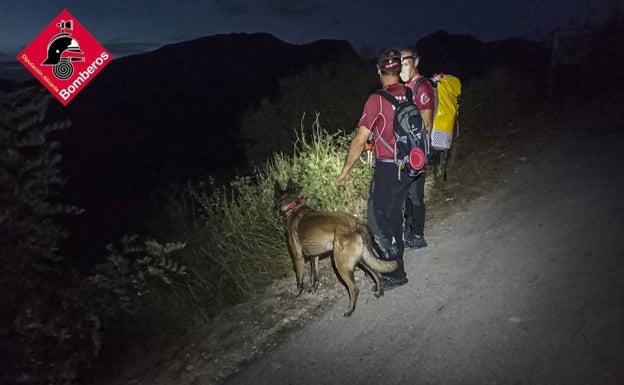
column 313, row 233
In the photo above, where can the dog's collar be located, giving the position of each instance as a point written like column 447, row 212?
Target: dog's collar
column 294, row 204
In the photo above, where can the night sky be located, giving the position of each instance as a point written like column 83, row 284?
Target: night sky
column 133, row 26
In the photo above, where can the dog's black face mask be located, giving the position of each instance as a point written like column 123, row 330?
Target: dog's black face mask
column 286, row 200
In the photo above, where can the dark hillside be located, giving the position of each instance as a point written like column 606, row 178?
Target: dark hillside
column 166, row 116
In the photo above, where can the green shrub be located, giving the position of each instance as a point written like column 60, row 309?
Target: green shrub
column 31, row 279
column 53, row 318
column 316, row 164
column 61, row 332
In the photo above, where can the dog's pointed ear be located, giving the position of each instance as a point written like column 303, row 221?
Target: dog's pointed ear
column 278, row 192
column 291, row 187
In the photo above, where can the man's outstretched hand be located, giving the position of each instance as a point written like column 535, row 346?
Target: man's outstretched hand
column 342, row 180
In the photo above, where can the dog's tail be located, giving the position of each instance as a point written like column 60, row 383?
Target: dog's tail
column 370, row 256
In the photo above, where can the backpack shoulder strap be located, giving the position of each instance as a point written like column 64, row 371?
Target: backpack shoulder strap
column 408, row 94
column 421, row 81
column 386, row 95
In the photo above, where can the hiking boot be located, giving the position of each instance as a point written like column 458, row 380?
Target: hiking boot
column 415, row 241
column 390, row 283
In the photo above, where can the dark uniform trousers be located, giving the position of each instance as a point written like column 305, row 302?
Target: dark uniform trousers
column 388, row 191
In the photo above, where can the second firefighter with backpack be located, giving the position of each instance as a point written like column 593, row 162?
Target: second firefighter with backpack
column 424, row 99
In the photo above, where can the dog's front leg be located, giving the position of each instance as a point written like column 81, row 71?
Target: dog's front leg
column 314, row 273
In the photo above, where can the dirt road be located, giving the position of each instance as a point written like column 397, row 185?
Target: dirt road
column 526, row 287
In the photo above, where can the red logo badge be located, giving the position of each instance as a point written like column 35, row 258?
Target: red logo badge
column 64, row 57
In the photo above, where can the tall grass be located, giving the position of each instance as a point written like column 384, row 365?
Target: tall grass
column 317, row 161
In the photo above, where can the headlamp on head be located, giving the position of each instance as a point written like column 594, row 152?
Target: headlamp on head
column 389, row 63
column 412, row 56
